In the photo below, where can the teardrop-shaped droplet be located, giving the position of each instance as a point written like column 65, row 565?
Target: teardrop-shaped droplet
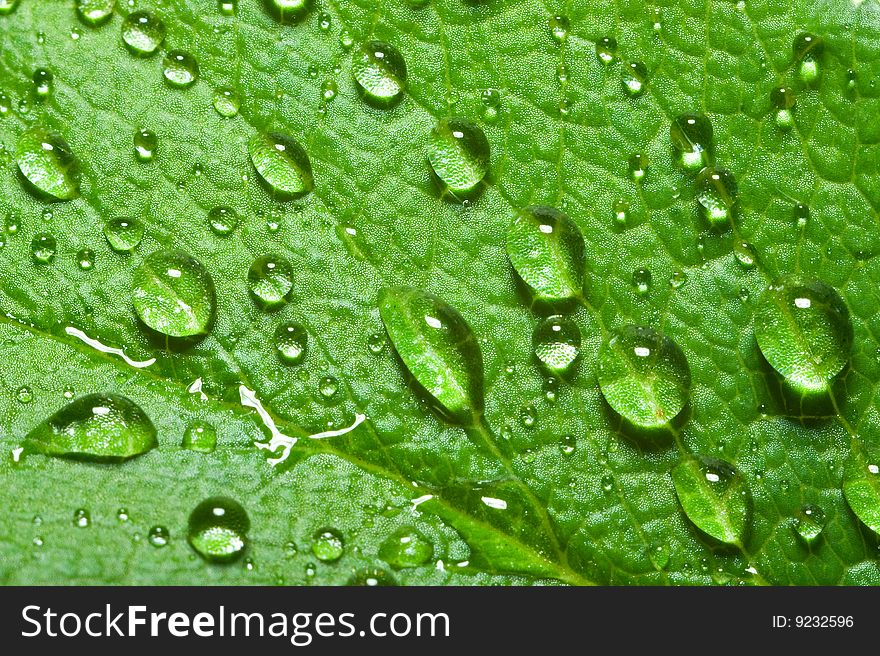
column 693, row 146
column 380, row 73
column 491, row 100
column 606, row 49
column 287, row 11
column 644, row 376
column 123, row 235
column 43, row 81
column 810, row 522
column 808, row 50
column 459, row 154
column 218, row 529
column 145, row 144
column 174, row 294
column 801, row 214
column 438, row 348
column 715, row 497
column 46, row 161
column 43, row 248
column 226, row 101
column 282, row 164
column 556, row 343
column 223, row 220
column 803, row 329
column 405, row 548
column 143, row 33
column 95, row 12
column 716, row 193
column 677, row 279
column 328, row 545
column 546, row 249
column 620, row 212
column 861, row 484
column 634, row 79
column 638, row 167
column 291, row 341
column 270, row 281
column 558, row 28
column 200, row 436
column 180, row 69
column 96, row 427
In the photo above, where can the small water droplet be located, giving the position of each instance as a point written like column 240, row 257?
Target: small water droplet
column 47, row 162
column 143, row 33
column 328, row 90
column 325, row 21
column 223, row 220
column 95, row 12
column 528, row 416
column 122, row 515
column 227, row 7
column 406, row 548
column 328, row 386
column 145, row 144
column 491, row 100
column 270, row 281
column 620, row 212
column 458, row 152
column 123, row 235
column 43, row 248
column 158, row 536
column 556, row 344
column 677, row 279
column 568, row 444
column 606, row 49
column 85, row 259
column 25, row 395
column 641, row 281
column 634, row 79
column 180, row 69
column 328, row 545
column 801, row 214
column 692, row 141
column 376, row 343
column 346, row 40
column 291, row 340
column 716, row 193
column 372, row 577
column 200, row 436
column 638, row 167
column 558, row 28
column 810, row 522
column 43, row 83
column 218, row 529
column 226, row 101
column 607, row 482
column 808, row 50
column 551, row 388
column 745, row 254
column 282, row 164
column 81, row 518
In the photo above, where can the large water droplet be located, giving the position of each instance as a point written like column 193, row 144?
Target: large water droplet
column 328, row 545
column 714, row 496
column 641, row 281
column 287, row 11
column 803, row 329
column 784, row 99
column 218, row 529
column 123, row 235
column 406, row 548
column 180, row 69
column 556, row 343
column 291, row 340
column 143, row 33
column 46, row 161
column 459, row 154
column 546, row 249
column 807, row 53
column 716, row 193
column 7, row 6
column 95, row 12
column 638, row 167
column 270, row 281
column 692, row 142
column 43, row 248
column 644, row 376
column 282, row 164
column 200, row 436
column 96, row 427
column 861, row 484
column 809, row 523
column 174, row 294
column 438, row 348
column 227, row 101
column 380, row 73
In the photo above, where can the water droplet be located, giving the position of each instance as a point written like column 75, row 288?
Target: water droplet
column 567, row 444
column 556, row 343
column 328, row 386
column 546, row 249
column 606, row 49
column 459, row 154
column 227, row 7
column 714, row 496
column 328, row 545
column 438, row 348
column 562, row 73
column 226, row 101
column 218, row 529
column 85, row 259
column 745, row 254
column 372, row 577
column 620, row 212
column 692, row 142
column 380, row 73
column 158, row 536
column 634, row 79
column 96, row 427
column 123, row 235
column 81, row 518
column 807, row 52
column 223, row 220
column 784, row 99
column 143, row 33
column 180, row 69
column 558, row 28
column 346, row 40
column 287, row 11
column 804, row 331
column 638, row 167
column 491, row 100
column 282, row 164
column 801, row 214
column 716, row 193
column 200, row 436
column 551, row 388
column 43, row 83
column 25, row 395
column 376, row 343
column 270, row 281
column 677, row 279
column 291, row 340
column 406, row 548
column 174, row 294
column 607, row 482
column 46, row 161
column 95, row 12
column 809, row 522
column 528, row 416
column 43, row 248
column 644, row 376
column 145, row 144
column 328, row 90
column 325, row 21
column 7, row 6
column 641, row 281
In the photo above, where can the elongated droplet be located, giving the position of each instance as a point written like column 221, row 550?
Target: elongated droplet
column 745, row 254
column 291, row 340
column 556, row 343
column 784, row 99
column 143, row 33
column 95, row 12
column 546, row 249
column 96, row 427
column 180, row 69
column 145, row 144
column 282, row 164
column 44, row 82
column 380, row 73
column 48, row 163
column 270, row 281
column 808, row 50
column 803, row 329
column 405, row 548
column 644, row 376
column 124, row 235
column 635, row 79
column 693, row 147
column 714, row 496
column 459, row 154
column 716, row 193
column 174, row 294
column 227, row 101
column 861, row 484
column 606, row 49
column 558, row 28
column 438, row 348
column 638, row 167
column 218, row 529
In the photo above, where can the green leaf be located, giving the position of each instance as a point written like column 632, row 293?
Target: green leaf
column 293, row 144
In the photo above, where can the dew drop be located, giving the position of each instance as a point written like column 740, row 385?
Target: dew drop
column 325, row 21
column 716, row 193
column 558, row 28
column 346, row 40
column 7, row 6
column 677, row 279
column 620, row 212
column 784, row 100
column 85, row 259
column 641, row 281
column 43, row 248
column 270, row 281
column 328, row 90
column 123, row 235
column 226, row 101
column 406, row 548
column 459, row 154
column 376, row 343
column 808, row 50
column 606, row 49
column 218, row 529
column 145, row 144
column 745, row 254
column 174, row 294
column 634, row 79
column 861, row 484
column 282, row 164
column 25, row 395
column 48, row 164
column 291, row 341
column 328, row 386
column 644, row 376
column 380, row 73
column 227, row 7
column 607, row 482
column 556, row 343
column 491, row 100
column 200, row 436
column 567, row 444
column 528, row 416
column 158, row 537
column 43, row 83
column 692, row 141
column 287, row 11
column 180, row 69
column 638, row 167
column 223, row 220
column 801, row 214
column 95, row 12
column 809, row 522
column 328, row 545
column 372, row 577
column 143, row 33
column 81, row 518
